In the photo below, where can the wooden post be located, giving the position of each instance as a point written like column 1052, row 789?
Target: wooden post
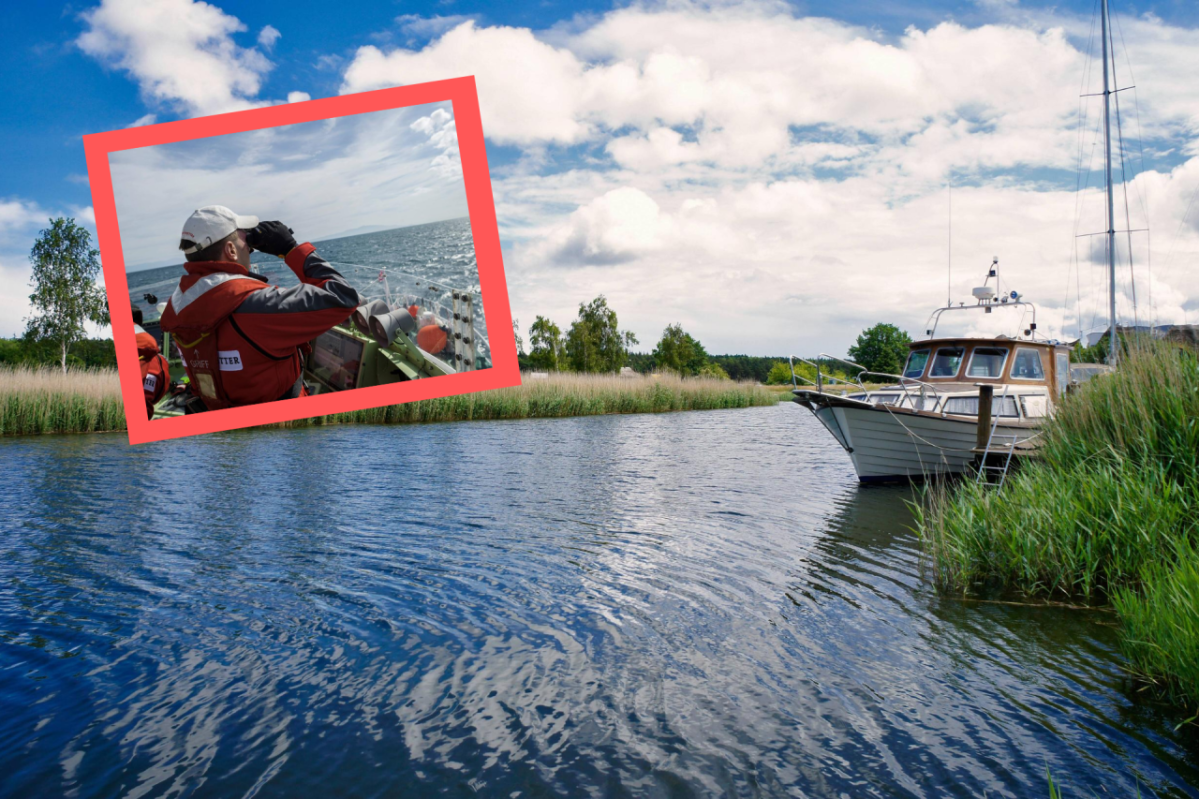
column 986, row 394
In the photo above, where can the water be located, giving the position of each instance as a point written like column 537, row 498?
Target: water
column 442, row 253
column 691, row 604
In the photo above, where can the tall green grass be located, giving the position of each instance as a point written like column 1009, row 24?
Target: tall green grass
column 45, row 400
column 566, row 394
column 1110, row 512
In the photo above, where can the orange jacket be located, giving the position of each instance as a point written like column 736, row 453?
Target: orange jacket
column 240, row 338
column 156, row 372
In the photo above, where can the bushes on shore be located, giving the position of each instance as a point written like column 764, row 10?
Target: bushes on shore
column 1110, row 511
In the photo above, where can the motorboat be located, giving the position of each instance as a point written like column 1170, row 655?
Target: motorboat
column 925, row 420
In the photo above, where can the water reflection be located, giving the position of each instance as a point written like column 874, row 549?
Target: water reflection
column 688, row 604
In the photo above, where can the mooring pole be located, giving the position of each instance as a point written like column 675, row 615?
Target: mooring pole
column 986, row 394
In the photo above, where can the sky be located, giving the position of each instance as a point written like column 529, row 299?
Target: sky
column 775, row 177
column 325, row 179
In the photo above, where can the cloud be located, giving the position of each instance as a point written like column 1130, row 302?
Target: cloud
column 180, row 52
column 17, row 217
column 443, row 136
column 367, row 170
column 148, row 119
column 298, row 97
column 268, row 36
column 776, row 181
column 528, row 90
column 429, row 26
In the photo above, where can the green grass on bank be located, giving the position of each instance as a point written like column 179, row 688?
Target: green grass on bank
column 1109, row 512
column 84, row 401
column 45, row 400
column 566, row 394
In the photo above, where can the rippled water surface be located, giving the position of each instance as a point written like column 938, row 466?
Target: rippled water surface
column 691, row 604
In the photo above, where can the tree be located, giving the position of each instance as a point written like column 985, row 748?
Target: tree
column 520, row 344
column 882, row 348
column 712, row 369
column 65, row 295
column 546, row 340
column 594, row 344
column 679, row 352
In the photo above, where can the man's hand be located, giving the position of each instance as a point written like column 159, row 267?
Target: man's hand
column 272, row 238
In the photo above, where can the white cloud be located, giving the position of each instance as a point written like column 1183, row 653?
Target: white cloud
column 443, row 137
column 775, row 181
column 298, row 97
column 268, row 36
column 18, row 217
column 366, row 170
column 527, row 89
column 181, row 53
column 147, row 119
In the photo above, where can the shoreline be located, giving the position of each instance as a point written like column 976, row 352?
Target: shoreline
column 47, row 402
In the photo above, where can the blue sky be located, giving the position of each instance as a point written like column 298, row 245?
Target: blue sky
column 772, row 176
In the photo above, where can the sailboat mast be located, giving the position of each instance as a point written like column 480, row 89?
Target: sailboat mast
column 1111, row 213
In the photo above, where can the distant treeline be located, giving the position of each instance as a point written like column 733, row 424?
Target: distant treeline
column 88, row 353
column 738, row 367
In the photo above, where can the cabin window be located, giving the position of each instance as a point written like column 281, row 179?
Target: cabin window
column 987, row 362
column 1027, row 365
column 1063, row 371
column 968, row 406
column 1036, row 406
column 919, row 403
column 916, row 363
column 947, row 362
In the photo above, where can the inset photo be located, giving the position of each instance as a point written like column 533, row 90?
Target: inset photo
column 302, row 261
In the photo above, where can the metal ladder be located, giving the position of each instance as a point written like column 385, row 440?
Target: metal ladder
column 995, row 476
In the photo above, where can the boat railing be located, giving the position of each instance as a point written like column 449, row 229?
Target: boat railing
column 820, row 376
column 903, row 383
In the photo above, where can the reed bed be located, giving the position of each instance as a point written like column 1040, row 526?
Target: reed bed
column 45, row 400
column 566, row 394
column 1109, row 513
column 88, row 401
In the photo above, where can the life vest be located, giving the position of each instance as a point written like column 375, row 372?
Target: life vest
column 199, row 308
column 156, row 372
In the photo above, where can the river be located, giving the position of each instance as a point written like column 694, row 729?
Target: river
column 690, row 604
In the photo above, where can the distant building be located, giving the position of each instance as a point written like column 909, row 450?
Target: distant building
column 1179, row 333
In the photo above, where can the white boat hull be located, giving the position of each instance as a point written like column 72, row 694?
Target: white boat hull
column 890, row 444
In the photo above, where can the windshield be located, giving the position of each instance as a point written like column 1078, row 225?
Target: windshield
column 1027, row 365
column 987, row 362
column 947, row 362
column 916, row 363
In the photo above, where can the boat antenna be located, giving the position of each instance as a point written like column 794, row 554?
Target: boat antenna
column 949, row 257
column 1107, row 170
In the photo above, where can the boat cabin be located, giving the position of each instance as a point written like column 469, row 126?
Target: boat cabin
column 969, row 361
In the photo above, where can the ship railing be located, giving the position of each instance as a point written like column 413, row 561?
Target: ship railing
column 820, row 376
column 906, row 383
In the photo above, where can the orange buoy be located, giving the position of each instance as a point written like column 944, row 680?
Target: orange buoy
column 431, row 338
column 414, row 310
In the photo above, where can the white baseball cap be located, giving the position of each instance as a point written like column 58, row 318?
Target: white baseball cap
column 210, row 224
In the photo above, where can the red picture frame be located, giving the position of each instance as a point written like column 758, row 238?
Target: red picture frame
column 505, row 370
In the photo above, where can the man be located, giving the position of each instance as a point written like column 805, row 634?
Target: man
column 156, row 372
column 240, row 338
